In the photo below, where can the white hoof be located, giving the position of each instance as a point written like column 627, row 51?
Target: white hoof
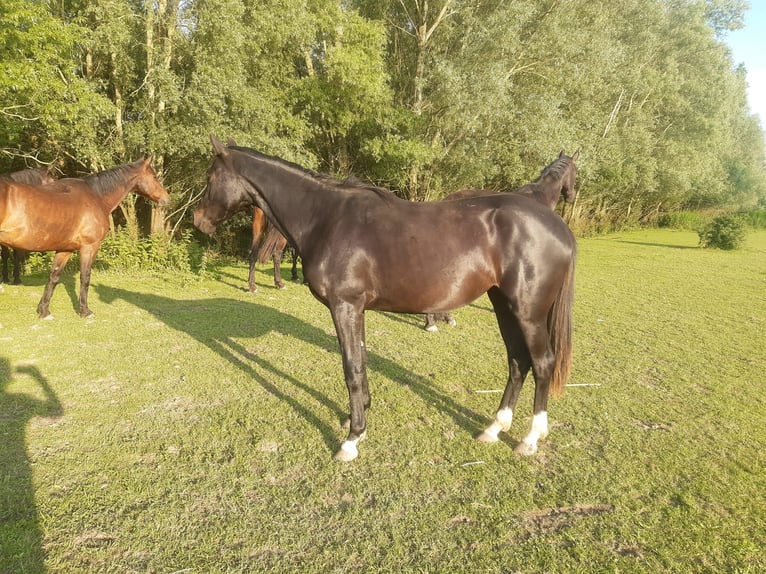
column 487, row 437
column 525, row 449
column 432, row 329
column 348, row 450
column 48, row 318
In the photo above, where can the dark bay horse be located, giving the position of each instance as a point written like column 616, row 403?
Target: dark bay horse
column 272, row 246
column 33, row 176
column 351, row 239
column 69, row 215
column 557, row 180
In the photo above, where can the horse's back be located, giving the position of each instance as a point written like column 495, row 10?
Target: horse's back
column 57, row 216
column 437, row 256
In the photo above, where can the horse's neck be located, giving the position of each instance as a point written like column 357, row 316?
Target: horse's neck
column 114, row 197
column 548, row 189
column 290, row 195
column 118, row 184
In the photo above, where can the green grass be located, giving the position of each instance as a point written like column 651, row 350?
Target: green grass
column 190, row 427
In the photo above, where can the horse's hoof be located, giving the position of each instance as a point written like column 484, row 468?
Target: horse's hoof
column 344, row 455
column 487, row 438
column 452, row 322
column 525, row 449
column 432, row 329
column 47, row 317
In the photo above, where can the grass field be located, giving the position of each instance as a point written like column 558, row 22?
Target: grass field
column 189, row 427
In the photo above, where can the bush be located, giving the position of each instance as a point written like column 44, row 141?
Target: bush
column 724, row 232
column 120, row 251
column 684, row 220
column 755, row 218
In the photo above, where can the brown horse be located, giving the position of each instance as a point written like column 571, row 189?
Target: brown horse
column 70, row 215
column 34, row 176
column 272, row 246
column 555, row 181
column 351, row 239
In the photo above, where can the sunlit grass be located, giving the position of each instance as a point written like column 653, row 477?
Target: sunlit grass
column 191, row 425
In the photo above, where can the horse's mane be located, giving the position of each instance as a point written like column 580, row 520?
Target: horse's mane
column 350, row 183
column 105, row 181
column 31, row 176
column 557, row 168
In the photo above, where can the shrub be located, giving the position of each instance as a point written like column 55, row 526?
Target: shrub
column 755, row 218
column 684, row 220
column 724, row 232
column 121, row 251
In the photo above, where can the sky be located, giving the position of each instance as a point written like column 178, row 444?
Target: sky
column 748, row 47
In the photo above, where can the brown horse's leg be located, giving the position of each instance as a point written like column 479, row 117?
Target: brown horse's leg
column 259, row 220
column 5, row 254
column 519, row 363
column 59, row 262
column 277, row 258
column 87, row 255
column 18, row 261
column 294, row 271
column 349, row 325
column 252, row 287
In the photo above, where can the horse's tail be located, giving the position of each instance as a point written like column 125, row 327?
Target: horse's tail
column 269, row 244
column 560, row 330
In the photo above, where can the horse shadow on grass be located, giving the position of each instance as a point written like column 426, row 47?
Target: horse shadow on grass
column 21, row 547
column 241, row 319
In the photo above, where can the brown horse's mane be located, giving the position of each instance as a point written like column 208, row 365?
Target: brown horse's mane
column 350, row 183
column 105, row 181
column 28, row 176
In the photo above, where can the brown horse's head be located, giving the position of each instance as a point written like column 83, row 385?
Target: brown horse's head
column 148, row 185
column 225, row 193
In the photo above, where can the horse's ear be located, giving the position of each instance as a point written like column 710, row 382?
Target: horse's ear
column 576, row 155
column 218, row 147
column 562, row 153
column 230, row 141
column 148, row 161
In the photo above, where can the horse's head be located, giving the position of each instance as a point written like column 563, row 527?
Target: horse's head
column 147, row 183
column 570, row 175
column 225, row 193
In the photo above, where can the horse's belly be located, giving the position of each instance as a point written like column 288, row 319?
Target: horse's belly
column 424, row 293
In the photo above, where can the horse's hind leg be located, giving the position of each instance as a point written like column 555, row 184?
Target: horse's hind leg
column 18, row 261
column 519, row 363
column 252, row 287
column 279, row 250
column 59, row 262
column 536, row 335
column 294, row 270
column 5, row 253
column 87, row 255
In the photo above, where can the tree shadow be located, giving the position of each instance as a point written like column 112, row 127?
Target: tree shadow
column 654, row 244
column 20, row 536
column 219, row 334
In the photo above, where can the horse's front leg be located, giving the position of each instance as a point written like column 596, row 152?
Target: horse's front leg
column 87, row 256
column 349, row 325
column 59, row 262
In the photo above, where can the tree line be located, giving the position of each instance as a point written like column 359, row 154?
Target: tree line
column 421, row 96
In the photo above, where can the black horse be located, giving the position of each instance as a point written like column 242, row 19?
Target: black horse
column 351, row 239
column 557, row 180
column 33, row 176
